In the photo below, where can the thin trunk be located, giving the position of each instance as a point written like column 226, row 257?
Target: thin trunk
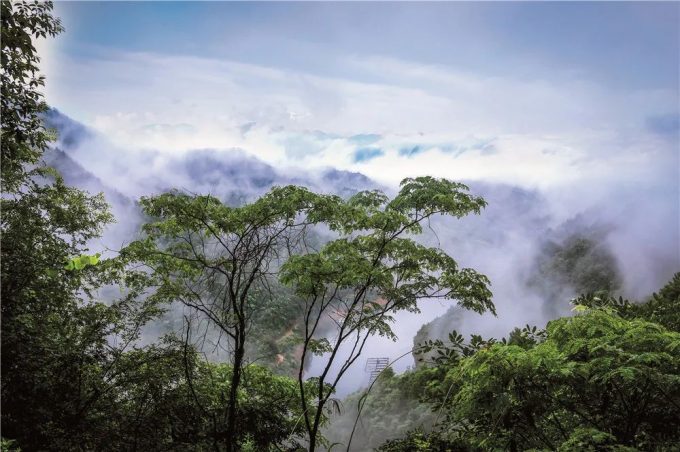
column 316, row 425
column 232, row 407
column 312, row 438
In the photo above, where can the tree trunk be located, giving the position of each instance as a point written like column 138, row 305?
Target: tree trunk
column 312, row 439
column 315, row 426
column 232, row 408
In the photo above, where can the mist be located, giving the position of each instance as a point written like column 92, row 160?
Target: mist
column 636, row 223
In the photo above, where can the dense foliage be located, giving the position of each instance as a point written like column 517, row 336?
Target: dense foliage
column 595, row 372
column 607, row 378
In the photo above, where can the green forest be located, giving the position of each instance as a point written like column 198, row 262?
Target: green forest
column 248, row 293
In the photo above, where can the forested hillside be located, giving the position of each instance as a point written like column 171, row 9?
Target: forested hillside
column 605, row 379
column 201, row 330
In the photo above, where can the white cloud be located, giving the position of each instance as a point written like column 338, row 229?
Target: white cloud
column 543, row 133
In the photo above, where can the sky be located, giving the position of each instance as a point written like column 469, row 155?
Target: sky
column 544, row 95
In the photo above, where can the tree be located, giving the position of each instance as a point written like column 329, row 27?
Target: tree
column 24, row 137
column 580, row 263
column 63, row 349
column 374, row 269
column 269, row 413
column 220, row 260
column 418, row 440
column 662, row 307
column 595, row 375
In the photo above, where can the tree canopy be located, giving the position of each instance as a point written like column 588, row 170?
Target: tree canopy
column 603, row 379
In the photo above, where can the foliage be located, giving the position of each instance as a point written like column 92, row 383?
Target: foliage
column 8, row 445
column 65, row 360
column 596, row 371
column 219, row 260
column 592, row 440
column 438, row 328
column 413, row 400
column 606, row 379
column 274, row 332
column 375, row 268
column 662, row 307
column 566, row 265
column 269, row 414
column 390, row 408
column 580, row 263
column 82, row 261
column 24, row 137
column 418, row 440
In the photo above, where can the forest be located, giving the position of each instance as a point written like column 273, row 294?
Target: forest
column 250, row 292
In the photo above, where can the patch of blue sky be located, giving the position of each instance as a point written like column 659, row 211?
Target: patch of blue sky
column 366, row 154
column 321, row 135
column 245, row 128
column 485, row 146
column 610, row 41
column 297, row 146
column 365, row 139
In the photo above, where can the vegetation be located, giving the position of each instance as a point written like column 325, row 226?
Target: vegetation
column 216, row 259
column 567, row 264
column 373, row 270
column 594, row 373
column 78, row 373
column 578, row 264
column 604, row 379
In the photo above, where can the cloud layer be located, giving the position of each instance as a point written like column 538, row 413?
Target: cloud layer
column 411, row 118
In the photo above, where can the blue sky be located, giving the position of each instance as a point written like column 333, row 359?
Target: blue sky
column 568, row 89
column 629, row 43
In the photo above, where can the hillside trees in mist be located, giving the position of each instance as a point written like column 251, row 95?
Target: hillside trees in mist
column 661, row 307
column 604, row 379
column 579, row 263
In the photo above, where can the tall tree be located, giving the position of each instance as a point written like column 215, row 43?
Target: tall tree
column 374, row 269
column 217, row 259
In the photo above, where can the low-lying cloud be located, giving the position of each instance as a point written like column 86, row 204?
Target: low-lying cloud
column 409, row 117
column 640, row 215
